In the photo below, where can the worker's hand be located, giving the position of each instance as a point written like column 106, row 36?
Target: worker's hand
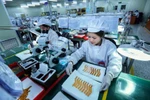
column 69, row 68
column 106, row 82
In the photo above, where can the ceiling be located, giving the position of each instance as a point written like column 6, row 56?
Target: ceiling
column 17, row 3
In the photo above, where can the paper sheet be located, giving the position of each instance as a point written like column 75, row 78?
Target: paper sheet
column 67, row 87
column 24, row 55
column 34, row 90
column 60, row 96
column 99, row 78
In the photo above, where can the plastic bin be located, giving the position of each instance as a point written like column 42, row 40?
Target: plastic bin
column 45, row 79
column 27, row 64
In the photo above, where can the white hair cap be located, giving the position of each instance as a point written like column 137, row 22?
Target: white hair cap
column 44, row 21
column 94, row 25
column 27, row 18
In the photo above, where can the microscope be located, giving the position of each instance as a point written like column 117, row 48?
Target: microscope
column 58, row 51
column 42, row 44
column 60, row 48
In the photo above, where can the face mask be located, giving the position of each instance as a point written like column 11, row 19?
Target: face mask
column 44, row 31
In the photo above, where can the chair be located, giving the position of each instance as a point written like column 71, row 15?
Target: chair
column 110, row 39
column 58, row 33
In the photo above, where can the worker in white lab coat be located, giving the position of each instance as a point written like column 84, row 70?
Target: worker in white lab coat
column 45, row 26
column 1, row 59
column 29, row 23
column 128, row 17
column 98, row 50
column 136, row 13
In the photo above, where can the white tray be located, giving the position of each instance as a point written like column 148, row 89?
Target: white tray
column 35, row 90
column 68, row 88
column 47, row 75
column 60, row 96
column 97, row 78
column 28, row 63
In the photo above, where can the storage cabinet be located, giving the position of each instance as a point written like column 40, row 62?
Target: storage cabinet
column 148, row 24
column 133, row 19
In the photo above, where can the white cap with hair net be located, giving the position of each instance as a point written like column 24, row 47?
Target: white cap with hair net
column 27, row 19
column 44, row 21
column 95, row 25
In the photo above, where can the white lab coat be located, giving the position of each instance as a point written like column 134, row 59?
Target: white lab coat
column 52, row 37
column 136, row 14
column 30, row 24
column 2, row 60
column 103, row 55
column 18, row 22
column 128, row 18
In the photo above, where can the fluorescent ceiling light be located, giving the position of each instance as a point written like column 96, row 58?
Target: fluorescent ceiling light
column 8, row 0
column 24, row 6
column 30, row 4
column 43, row 1
column 54, row 6
column 4, row 2
column 36, row 3
column 66, row 4
column 74, row 2
column 59, row 5
column 53, row 0
column 84, row 0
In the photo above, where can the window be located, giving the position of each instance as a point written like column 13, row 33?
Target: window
column 115, row 7
column 100, row 9
column 123, row 7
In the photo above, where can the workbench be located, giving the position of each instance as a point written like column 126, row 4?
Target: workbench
column 124, row 87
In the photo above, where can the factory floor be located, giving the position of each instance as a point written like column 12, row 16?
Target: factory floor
column 141, row 68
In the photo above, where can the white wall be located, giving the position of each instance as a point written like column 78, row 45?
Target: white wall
column 137, row 5
column 130, row 5
column 147, row 10
column 36, row 11
column 62, row 10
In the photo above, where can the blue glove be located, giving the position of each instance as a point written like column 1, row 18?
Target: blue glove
column 106, row 82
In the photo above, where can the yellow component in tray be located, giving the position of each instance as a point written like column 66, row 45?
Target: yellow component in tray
column 82, row 86
column 91, row 70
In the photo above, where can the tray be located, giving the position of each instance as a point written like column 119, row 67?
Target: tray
column 43, row 77
column 69, row 87
column 28, row 63
column 97, row 72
